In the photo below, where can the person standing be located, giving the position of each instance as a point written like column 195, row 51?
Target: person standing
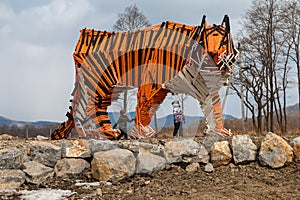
column 122, row 122
column 178, row 118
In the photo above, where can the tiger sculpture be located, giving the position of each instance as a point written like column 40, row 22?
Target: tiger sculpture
column 160, row 59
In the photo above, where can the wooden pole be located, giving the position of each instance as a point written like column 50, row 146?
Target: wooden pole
column 240, row 62
column 242, row 103
column 155, row 122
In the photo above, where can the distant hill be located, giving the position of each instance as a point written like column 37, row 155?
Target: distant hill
column 165, row 121
column 113, row 116
column 293, row 110
column 38, row 124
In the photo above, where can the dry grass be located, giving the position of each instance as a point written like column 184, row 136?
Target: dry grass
column 237, row 127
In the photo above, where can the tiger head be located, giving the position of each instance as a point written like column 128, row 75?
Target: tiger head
column 217, row 45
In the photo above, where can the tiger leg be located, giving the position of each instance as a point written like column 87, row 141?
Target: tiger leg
column 65, row 128
column 97, row 112
column 218, row 116
column 149, row 96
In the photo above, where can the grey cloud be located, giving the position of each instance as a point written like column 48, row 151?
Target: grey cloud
column 38, row 38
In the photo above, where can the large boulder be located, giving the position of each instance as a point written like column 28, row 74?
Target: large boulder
column 181, row 150
column 37, row 173
column 136, row 147
column 147, row 162
column 11, row 158
column 296, row 148
column 210, row 138
column 243, row 149
column 44, row 152
column 202, row 155
column 76, row 149
column 274, row 151
column 101, row 145
column 11, row 179
column 113, row 165
column 70, row 167
column 6, row 137
column 220, row 153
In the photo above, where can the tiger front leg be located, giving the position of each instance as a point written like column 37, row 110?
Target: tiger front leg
column 216, row 122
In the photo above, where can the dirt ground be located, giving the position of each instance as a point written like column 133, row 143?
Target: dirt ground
column 250, row 181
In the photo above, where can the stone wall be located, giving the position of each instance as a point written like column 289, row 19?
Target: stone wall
column 112, row 161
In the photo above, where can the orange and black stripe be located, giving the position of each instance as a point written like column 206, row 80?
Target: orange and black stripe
column 145, row 58
column 107, row 58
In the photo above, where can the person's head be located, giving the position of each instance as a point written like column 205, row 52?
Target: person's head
column 176, row 104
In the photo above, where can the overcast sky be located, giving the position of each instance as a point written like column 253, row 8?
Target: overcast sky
column 38, row 37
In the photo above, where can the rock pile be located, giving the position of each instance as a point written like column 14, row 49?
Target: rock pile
column 115, row 160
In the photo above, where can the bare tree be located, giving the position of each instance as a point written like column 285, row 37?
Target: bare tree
column 131, row 19
column 265, row 71
column 292, row 33
column 251, row 78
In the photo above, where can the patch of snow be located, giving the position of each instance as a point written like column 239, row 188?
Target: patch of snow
column 87, row 185
column 45, row 194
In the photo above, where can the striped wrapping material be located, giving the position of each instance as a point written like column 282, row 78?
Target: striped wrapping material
column 148, row 59
column 138, row 59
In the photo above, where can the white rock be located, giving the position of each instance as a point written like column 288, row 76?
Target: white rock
column 11, row 158
column 101, row 145
column 274, row 151
column 44, row 152
column 11, row 179
column 193, row 167
column 76, row 149
column 6, row 137
column 136, row 146
column 243, row 149
column 99, row 192
column 296, row 148
column 210, row 138
column 148, row 162
column 71, row 167
column 202, row 155
column 220, row 153
column 113, row 165
column 41, row 137
column 37, row 173
column 175, row 151
column 209, row 167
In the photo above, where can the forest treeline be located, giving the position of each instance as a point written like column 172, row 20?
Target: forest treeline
column 269, row 63
column 237, row 126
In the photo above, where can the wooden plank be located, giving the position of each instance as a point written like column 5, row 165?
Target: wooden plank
column 200, row 87
column 181, row 85
column 193, row 89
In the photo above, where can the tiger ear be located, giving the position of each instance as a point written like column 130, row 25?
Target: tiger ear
column 203, row 22
column 226, row 23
